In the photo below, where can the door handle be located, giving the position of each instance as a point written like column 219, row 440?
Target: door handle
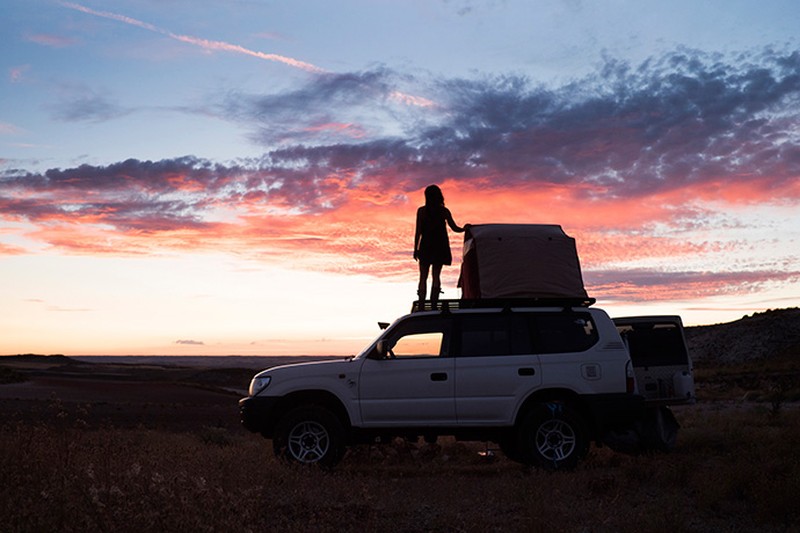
column 526, row 371
column 439, row 376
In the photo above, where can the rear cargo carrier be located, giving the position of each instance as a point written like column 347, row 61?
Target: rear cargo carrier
column 503, row 261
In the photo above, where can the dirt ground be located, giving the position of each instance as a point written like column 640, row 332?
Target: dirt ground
column 126, row 396
column 92, row 447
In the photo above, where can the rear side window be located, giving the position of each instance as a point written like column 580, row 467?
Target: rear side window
column 562, row 332
column 497, row 334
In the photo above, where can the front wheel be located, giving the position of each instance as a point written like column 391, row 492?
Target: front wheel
column 552, row 436
column 309, row 435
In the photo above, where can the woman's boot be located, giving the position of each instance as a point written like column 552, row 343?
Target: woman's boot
column 435, row 291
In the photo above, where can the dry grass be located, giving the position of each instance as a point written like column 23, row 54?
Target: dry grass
column 773, row 381
column 736, row 468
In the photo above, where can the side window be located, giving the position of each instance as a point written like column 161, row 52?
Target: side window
column 427, row 337
column 497, row 334
column 563, row 332
column 419, row 345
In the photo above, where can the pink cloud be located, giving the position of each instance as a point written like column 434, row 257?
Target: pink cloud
column 352, row 131
column 9, row 249
column 639, row 286
column 9, row 129
column 17, row 74
column 54, row 41
column 371, row 229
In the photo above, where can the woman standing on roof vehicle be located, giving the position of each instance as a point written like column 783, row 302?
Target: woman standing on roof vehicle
column 431, row 242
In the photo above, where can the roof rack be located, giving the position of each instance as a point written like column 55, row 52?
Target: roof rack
column 446, row 305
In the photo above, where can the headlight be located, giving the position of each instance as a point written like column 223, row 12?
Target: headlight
column 258, row 384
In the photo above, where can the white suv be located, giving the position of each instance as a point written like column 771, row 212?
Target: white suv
column 540, row 378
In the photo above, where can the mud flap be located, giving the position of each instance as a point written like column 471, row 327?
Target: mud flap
column 656, row 431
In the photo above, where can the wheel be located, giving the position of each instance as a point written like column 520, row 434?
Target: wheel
column 309, row 435
column 553, row 436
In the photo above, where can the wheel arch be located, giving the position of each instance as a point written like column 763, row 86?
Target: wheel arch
column 562, row 395
column 319, row 398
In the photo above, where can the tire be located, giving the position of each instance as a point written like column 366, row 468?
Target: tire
column 553, row 436
column 309, row 436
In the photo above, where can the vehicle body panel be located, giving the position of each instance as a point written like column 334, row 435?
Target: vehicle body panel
column 396, row 392
column 487, row 389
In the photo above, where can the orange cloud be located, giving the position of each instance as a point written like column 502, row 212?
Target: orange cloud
column 352, row 131
column 370, row 231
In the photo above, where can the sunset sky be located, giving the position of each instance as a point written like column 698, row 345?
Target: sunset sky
column 241, row 176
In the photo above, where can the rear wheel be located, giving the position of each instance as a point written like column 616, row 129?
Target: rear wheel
column 309, row 435
column 552, row 436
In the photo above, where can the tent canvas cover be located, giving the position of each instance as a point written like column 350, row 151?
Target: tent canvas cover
column 520, row 261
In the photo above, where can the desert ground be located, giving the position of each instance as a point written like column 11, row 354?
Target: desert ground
column 148, row 447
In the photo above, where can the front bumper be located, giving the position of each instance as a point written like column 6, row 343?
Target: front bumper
column 258, row 414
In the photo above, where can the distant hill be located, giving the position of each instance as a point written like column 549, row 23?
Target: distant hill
column 37, row 358
column 769, row 335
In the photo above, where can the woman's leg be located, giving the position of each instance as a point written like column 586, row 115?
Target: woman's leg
column 436, row 283
column 423, row 281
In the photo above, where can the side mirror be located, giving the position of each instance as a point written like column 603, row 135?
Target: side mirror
column 378, row 352
column 383, row 348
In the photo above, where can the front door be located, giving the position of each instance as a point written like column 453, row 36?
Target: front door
column 414, row 383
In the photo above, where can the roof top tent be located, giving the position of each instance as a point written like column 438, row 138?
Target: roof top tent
column 503, row 261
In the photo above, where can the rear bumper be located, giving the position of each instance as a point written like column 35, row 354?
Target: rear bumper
column 258, row 414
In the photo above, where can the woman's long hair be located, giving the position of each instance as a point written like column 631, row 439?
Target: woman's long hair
column 433, row 196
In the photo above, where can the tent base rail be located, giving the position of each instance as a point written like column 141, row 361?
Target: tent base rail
column 501, row 303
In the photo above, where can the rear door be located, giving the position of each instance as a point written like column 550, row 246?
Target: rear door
column 661, row 361
column 495, row 367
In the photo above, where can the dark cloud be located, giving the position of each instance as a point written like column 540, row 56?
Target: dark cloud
column 627, row 131
column 329, row 98
column 85, row 105
column 685, row 118
column 190, row 342
column 645, row 284
column 145, row 195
